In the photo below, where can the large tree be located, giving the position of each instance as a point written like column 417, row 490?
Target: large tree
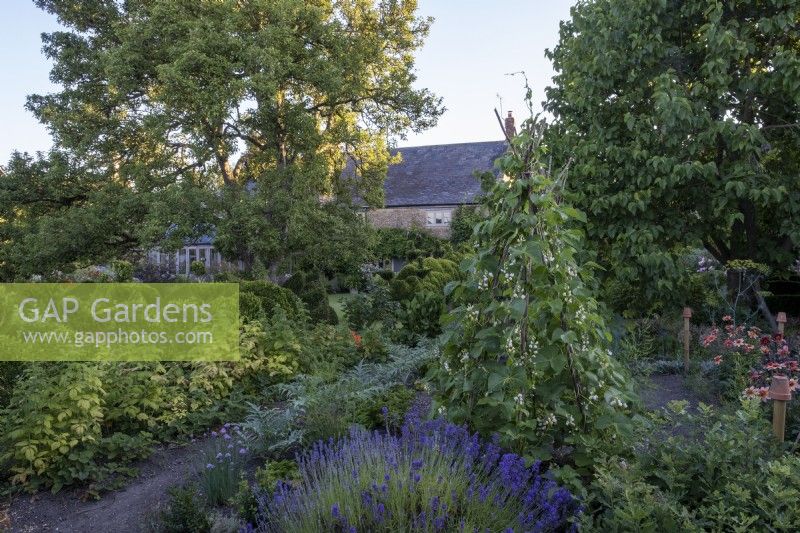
column 237, row 114
column 683, row 118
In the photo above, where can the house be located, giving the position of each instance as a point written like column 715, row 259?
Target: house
column 428, row 184
column 202, row 249
column 422, row 190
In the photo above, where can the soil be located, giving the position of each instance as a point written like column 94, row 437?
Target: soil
column 127, row 510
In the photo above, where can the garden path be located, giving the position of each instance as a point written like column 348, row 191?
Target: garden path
column 130, row 509
column 664, row 388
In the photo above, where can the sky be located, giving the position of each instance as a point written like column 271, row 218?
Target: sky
column 473, row 45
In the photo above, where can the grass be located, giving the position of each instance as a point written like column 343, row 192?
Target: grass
column 337, row 302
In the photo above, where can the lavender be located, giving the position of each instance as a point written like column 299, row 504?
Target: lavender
column 434, row 476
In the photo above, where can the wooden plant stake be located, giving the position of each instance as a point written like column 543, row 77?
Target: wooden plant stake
column 687, row 316
column 781, row 320
column 779, row 393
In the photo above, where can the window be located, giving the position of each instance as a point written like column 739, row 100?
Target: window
column 438, row 217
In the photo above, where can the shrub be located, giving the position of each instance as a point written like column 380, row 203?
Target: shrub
column 184, row 513
column 464, row 219
column 435, row 476
column 270, row 474
column 386, row 410
column 327, row 350
column 223, row 459
column 273, row 296
column 701, row 471
column 9, row 373
column 373, row 344
column 359, row 311
column 81, row 422
column 408, row 244
column 250, row 309
column 314, row 407
column 428, row 274
column 273, row 350
column 296, row 283
column 198, row 268
column 53, row 425
column 421, row 316
column 123, row 270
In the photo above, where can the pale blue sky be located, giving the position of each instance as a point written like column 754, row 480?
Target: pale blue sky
column 472, row 46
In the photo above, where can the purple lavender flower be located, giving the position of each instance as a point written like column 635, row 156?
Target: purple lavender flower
column 497, row 486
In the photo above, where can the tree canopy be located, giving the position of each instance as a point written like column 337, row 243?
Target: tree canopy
column 236, row 114
column 683, row 119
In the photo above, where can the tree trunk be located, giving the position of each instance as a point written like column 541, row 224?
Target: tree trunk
column 763, row 307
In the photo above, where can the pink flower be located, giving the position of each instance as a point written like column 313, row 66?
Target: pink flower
column 762, row 393
column 784, row 350
column 751, row 392
column 792, row 384
column 718, row 360
column 727, row 318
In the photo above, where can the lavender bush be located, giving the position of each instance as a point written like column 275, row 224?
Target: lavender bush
column 434, row 476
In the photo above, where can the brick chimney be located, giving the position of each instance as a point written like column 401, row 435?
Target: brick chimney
column 511, row 130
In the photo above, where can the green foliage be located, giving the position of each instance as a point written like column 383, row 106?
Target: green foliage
column 358, row 310
column 9, row 373
column 219, row 139
column 373, row 344
column 425, row 274
column 698, row 472
column 526, row 350
column 245, row 502
column 271, row 296
column 198, row 268
column 364, row 309
column 397, row 400
column 250, row 309
column 222, row 464
column 462, row 223
column 123, row 270
column 53, row 425
column 314, row 294
column 420, row 317
column 268, row 476
column 274, row 351
column 408, row 244
column 317, row 407
column 327, row 350
column 185, row 513
column 82, row 422
column 677, row 138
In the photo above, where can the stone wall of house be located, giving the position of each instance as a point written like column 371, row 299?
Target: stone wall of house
column 404, row 217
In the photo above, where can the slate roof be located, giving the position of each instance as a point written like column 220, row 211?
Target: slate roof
column 441, row 174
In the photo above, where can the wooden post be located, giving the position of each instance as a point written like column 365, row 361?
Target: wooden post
column 779, row 393
column 781, row 320
column 687, row 336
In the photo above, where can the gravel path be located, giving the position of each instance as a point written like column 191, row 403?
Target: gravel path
column 126, row 510
column 664, row 388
